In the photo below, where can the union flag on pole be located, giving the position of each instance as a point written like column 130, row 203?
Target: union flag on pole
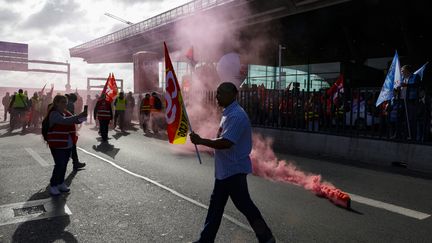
column 110, row 89
column 175, row 114
column 336, row 89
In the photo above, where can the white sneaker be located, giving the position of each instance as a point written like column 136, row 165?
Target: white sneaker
column 54, row 191
column 63, row 188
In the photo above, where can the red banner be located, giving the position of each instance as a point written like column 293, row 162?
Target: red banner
column 176, row 117
column 110, row 89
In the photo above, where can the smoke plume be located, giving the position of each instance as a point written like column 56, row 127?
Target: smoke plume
column 212, row 34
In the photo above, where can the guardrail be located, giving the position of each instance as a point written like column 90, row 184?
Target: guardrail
column 352, row 114
column 148, row 24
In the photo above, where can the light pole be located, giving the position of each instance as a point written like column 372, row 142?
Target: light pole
column 68, row 86
column 280, row 66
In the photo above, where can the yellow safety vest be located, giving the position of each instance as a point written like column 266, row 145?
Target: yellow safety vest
column 19, row 101
column 120, row 104
column 311, row 115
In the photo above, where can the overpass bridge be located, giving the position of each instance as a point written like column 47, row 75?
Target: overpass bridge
column 313, row 31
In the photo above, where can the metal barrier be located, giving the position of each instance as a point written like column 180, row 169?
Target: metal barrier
column 153, row 22
column 350, row 114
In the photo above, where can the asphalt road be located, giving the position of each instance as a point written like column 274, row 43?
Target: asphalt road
column 142, row 189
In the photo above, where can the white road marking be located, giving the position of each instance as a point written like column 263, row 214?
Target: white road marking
column 356, row 198
column 230, row 218
column 54, row 207
column 390, row 207
column 37, row 157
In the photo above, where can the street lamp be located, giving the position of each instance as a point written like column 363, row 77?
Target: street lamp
column 280, row 65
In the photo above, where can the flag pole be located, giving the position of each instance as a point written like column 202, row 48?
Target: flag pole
column 408, row 124
column 190, row 129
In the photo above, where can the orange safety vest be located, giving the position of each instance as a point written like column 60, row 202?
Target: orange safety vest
column 58, row 135
column 152, row 105
column 145, row 105
column 103, row 110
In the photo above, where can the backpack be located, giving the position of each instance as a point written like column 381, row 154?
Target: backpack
column 45, row 128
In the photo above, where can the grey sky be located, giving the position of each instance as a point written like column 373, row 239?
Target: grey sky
column 51, row 27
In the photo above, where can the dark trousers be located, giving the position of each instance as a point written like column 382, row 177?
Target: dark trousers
column 120, row 116
column 235, row 187
column 103, row 129
column 74, row 154
column 17, row 118
column 5, row 112
column 61, row 158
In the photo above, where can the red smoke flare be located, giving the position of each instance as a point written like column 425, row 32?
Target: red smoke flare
column 267, row 165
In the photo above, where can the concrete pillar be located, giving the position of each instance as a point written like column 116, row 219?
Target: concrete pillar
column 146, row 68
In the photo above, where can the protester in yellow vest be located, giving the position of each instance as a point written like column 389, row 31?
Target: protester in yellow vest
column 120, row 105
column 17, row 109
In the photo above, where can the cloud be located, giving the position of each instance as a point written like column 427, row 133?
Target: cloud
column 51, row 27
column 7, row 16
column 138, row 1
column 54, row 13
column 118, row 26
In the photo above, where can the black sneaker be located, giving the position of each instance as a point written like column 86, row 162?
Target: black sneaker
column 78, row 165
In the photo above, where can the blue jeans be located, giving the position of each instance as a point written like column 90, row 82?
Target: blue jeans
column 61, row 158
column 235, row 187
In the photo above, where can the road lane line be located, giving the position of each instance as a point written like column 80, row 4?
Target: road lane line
column 390, row 207
column 378, row 204
column 230, row 218
column 37, row 157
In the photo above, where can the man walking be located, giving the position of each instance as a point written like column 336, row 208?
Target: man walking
column 145, row 112
column 5, row 102
column 103, row 112
column 232, row 146
column 120, row 108
column 17, row 109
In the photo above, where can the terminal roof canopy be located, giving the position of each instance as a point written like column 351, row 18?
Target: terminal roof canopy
column 313, row 31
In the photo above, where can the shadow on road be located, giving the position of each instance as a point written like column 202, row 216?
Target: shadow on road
column 107, row 149
column 118, row 135
column 20, row 132
column 49, row 229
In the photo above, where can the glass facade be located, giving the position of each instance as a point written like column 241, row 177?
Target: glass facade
column 181, row 69
column 308, row 77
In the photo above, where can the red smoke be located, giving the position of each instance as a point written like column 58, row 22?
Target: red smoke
column 267, row 165
column 213, row 34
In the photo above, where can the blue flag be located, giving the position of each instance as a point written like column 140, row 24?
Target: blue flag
column 420, row 71
column 392, row 80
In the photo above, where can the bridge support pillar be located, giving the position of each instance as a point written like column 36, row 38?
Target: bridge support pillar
column 146, row 71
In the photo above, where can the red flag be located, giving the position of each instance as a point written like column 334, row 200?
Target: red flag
column 110, row 89
column 175, row 114
column 336, row 88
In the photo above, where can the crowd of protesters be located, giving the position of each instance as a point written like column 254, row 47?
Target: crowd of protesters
column 28, row 112
column 25, row 112
column 406, row 117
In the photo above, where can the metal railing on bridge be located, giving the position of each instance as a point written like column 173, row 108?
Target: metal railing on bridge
column 148, row 24
column 353, row 114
